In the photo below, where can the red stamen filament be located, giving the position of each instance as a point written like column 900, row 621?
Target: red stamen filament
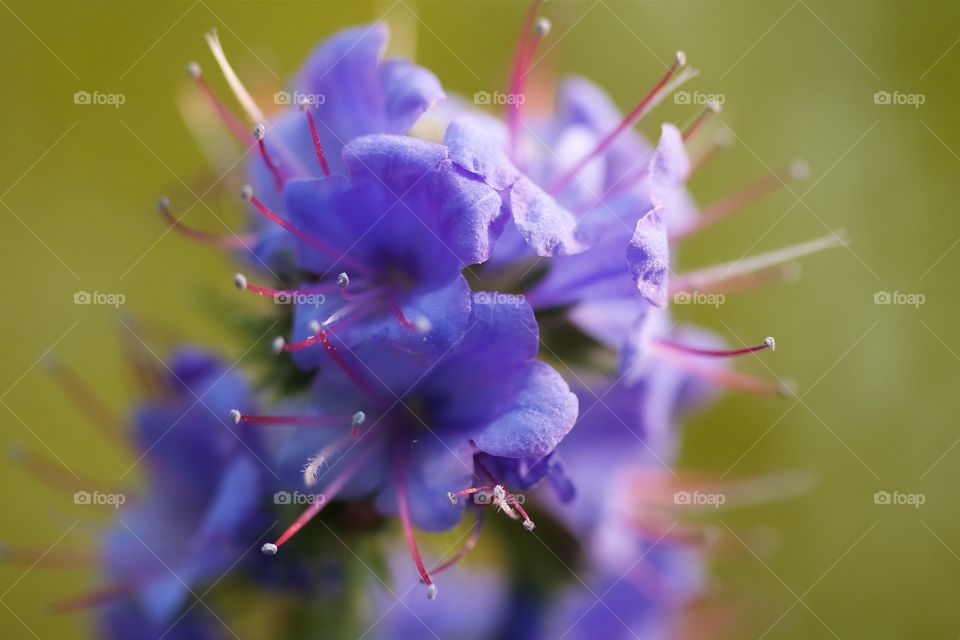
column 317, row 147
column 468, row 546
column 768, row 343
column 404, row 510
column 248, row 194
column 46, row 471
column 335, row 486
column 105, row 420
column 260, row 133
column 286, row 420
column 241, row 282
column 232, row 122
column 54, row 559
column 695, row 126
column 95, row 598
column 628, row 121
column 398, row 314
column 730, row 204
column 722, row 139
column 728, row 378
column 526, row 45
column 232, row 241
column 345, row 366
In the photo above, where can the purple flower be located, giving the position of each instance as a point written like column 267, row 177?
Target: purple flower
column 344, row 90
column 201, row 505
column 416, row 426
column 396, row 234
column 204, row 489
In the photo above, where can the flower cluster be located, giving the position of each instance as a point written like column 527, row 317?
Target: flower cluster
column 468, row 318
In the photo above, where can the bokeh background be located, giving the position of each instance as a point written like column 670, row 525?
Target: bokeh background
column 877, row 383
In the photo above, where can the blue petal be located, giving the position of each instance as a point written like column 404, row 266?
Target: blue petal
column 596, row 274
column 460, row 211
column 550, row 229
column 362, row 95
column 405, row 207
column 670, row 165
column 648, row 257
column 540, row 415
column 476, row 144
column 433, row 468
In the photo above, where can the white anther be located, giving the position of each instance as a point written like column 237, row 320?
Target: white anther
column 799, row 169
column 771, row 343
column 235, row 415
column 278, row 344
column 269, row 549
column 422, row 324
column 542, row 27
column 246, row 192
column 240, row 281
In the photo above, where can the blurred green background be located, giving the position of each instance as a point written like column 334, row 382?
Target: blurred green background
column 78, row 185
